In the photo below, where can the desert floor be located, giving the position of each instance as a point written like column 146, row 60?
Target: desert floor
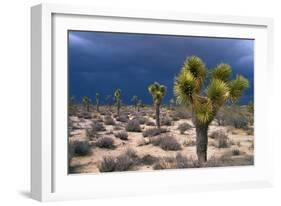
column 239, row 148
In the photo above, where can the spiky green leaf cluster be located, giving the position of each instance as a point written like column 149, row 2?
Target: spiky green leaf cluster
column 217, row 92
column 157, row 92
column 237, row 86
column 222, row 72
column 86, row 100
column 117, row 94
column 197, row 68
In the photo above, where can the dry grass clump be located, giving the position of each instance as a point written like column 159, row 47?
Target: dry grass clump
column 235, row 152
column 122, row 118
column 221, row 138
column 189, row 143
column 133, row 126
column 121, row 135
column 166, row 142
column 123, row 162
column 79, row 148
column 151, row 132
column 166, row 121
column 86, row 115
column 150, row 123
column 98, row 127
column 140, row 119
column 107, row 164
column 184, row 127
column 108, row 120
column 148, row 160
column 105, row 142
column 171, row 162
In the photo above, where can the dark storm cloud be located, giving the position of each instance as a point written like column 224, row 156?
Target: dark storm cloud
column 101, row 62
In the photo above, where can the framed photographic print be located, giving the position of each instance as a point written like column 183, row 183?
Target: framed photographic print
column 137, row 102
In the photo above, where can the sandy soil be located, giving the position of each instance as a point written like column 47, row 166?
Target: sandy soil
column 238, row 140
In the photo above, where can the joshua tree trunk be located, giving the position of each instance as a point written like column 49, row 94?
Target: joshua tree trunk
column 138, row 108
column 88, row 108
column 118, row 108
column 202, row 142
column 157, row 106
column 98, row 110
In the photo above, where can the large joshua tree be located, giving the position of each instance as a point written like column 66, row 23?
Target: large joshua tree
column 157, row 92
column 117, row 98
column 205, row 104
column 86, row 103
column 97, row 101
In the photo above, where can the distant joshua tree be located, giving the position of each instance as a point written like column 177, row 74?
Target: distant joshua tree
column 86, row 103
column 157, row 92
column 135, row 101
column 97, row 101
column 188, row 87
column 107, row 100
column 139, row 104
column 117, row 98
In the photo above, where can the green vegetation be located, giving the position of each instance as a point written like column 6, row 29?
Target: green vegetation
column 157, row 92
column 117, row 98
column 86, row 103
column 188, row 88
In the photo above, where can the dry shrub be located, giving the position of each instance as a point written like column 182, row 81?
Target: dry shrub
column 235, row 152
column 121, row 135
column 166, row 142
column 105, row 142
column 79, row 148
column 151, row 132
column 184, row 127
column 108, row 120
column 140, row 119
column 150, row 123
column 166, row 121
column 189, row 143
column 107, row 164
column 133, row 126
column 97, row 126
column 123, row 162
column 86, row 115
column 122, row 118
column 172, row 162
column 221, row 138
column 148, row 160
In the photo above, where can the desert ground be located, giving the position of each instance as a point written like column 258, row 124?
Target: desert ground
column 102, row 141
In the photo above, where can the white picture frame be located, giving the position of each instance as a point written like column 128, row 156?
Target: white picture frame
column 49, row 179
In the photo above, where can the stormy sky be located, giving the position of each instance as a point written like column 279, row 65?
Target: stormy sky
column 101, row 62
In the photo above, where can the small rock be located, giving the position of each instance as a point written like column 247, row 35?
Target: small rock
column 146, row 140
